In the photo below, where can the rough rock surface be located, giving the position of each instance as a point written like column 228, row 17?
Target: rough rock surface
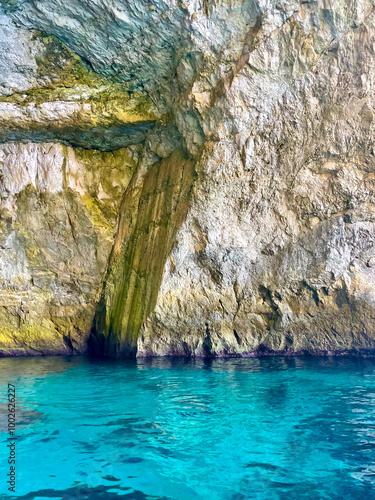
column 58, row 209
column 239, row 216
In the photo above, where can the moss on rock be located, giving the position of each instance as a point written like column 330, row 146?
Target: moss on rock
column 140, row 252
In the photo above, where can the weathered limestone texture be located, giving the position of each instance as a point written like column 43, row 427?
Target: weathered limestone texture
column 144, row 241
column 187, row 178
column 58, row 209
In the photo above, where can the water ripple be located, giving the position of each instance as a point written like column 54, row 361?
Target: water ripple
column 264, row 429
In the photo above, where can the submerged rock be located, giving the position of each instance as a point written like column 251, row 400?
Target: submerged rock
column 224, row 201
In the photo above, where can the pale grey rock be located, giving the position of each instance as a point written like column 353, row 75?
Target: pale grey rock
column 283, row 204
column 40, row 165
column 141, row 42
column 269, row 244
column 18, row 65
column 135, row 40
column 49, row 94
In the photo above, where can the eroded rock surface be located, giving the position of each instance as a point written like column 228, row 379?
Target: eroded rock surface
column 239, row 216
column 58, row 209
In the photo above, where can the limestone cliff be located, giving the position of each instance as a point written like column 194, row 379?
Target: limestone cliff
column 190, row 178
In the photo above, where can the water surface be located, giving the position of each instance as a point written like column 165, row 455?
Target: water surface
column 269, row 428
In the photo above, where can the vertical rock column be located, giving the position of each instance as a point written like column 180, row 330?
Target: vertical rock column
column 153, row 208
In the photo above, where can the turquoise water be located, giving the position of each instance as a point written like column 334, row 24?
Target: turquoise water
column 271, row 428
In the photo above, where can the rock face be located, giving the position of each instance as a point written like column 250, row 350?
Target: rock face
column 58, row 212
column 190, row 178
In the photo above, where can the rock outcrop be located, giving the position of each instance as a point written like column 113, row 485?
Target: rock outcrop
column 190, row 178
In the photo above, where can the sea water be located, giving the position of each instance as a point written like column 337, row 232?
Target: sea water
column 267, row 428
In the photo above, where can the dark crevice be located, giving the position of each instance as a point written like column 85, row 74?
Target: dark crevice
column 237, row 337
column 207, row 344
column 68, row 343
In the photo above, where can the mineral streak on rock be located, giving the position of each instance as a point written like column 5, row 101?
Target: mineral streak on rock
column 71, row 103
column 58, row 210
column 151, row 213
column 187, row 178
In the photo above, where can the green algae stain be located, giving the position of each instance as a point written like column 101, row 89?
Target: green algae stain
column 65, row 77
column 105, row 177
column 63, row 241
column 30, row 338
column 137, row 261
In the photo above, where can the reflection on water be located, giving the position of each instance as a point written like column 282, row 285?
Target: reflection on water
column 267, row 428
column 36, row 366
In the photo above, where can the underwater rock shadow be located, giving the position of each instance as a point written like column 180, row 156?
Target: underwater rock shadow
column 85, row 492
